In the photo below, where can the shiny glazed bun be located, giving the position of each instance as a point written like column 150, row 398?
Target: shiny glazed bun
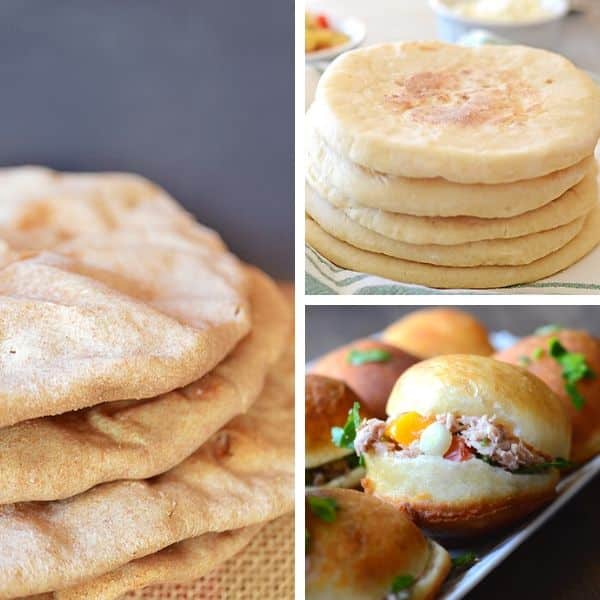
column 433, row 331
column 367, row 545
column 488, row 407
column 327, row 404
column 477, row 386
column 585, row 421
column 373, row 379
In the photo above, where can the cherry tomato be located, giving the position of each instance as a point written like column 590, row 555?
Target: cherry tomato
column 458, row 451
column 322, row 21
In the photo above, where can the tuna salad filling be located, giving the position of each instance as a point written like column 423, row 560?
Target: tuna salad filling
column 456, row 438
column 323, row 474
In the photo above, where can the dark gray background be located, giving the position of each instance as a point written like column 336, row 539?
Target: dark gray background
column 196, row 95
column 331, row 326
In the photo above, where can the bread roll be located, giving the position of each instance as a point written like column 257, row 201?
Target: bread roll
column 372, row 380
column 434, row 331
column 585, row 421
column 365, row 548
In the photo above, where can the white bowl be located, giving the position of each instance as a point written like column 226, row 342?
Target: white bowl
column 542, row 33
column 355, row 30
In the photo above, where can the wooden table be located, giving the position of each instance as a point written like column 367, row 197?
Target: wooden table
column 562, row 560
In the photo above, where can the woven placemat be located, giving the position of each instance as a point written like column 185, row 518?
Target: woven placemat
column 264, row 570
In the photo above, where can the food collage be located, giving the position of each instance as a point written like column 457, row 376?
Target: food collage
column 300, row 300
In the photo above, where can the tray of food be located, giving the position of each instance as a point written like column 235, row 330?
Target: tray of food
column 432, row 457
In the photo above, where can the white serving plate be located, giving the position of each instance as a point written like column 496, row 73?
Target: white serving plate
column 494, row 549
column 354, row 28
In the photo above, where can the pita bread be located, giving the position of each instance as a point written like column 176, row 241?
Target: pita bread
column 243, row 476
column 57, row 457
column 71, row 341
column 178, row 563
column 512, row 251
column 349, row 257
column 348, row 185
column 575, row 203
column 491, row 114
column 40, row 208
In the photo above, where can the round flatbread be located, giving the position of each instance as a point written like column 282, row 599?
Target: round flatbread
column 41, row 459
column 349, row 257
column 491, row 114
column 243, row 476
column 513, row 251
column 40, row 208
column 182, row 562
column 346, row 184
column 133, row 316
column 575, row 203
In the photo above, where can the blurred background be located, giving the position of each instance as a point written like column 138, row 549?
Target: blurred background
column 330, row 326
column 197, row 96
column 570, row 27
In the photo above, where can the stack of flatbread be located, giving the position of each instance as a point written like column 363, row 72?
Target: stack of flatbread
column 453, row 167
column 146, row 398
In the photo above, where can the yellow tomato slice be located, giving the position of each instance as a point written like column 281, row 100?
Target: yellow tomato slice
column 407, row 427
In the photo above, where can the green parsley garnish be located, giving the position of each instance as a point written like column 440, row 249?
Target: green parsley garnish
column 401, row 582
column 574, row 368
column 537, row 353
column 323, row 507
column 464, row 560
column 546, row 329
column 524, row 361
column 343, row 437
column 558, row 463
column 361, row 357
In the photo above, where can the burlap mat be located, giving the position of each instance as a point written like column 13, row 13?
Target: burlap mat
column 264, row 570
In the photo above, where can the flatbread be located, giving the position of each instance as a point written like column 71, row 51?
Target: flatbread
column 40, row 208
column 574, row 203
column 56, row 457
column 491, row 114
column 75, row 334
column 346, row 184
column 349, row 257
column 182, row 562
column 513, row 251
column 243, row 476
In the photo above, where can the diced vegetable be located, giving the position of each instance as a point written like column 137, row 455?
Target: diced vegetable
column 407, row 427
column 435, row 440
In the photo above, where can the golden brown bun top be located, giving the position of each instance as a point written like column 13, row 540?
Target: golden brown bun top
column 434, row 331
column 585, row 422
column 372, row 381
column 327, row 404
column 360, row 553
column 475, row 386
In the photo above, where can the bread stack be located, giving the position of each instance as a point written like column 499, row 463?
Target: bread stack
column 447, row 166
column 146, row 411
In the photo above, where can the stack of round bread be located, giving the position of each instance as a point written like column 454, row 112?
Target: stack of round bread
column 448, row 166
column 146, row 409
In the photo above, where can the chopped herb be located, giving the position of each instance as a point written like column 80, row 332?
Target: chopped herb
column 546, row 329
column 574, row 368
column 464, row 560
column 537, row 353
column 485, row 442
column 323, row 507
column 558, row 463
column 524, row 361
column 361, row 460
column 343, row 437
column 401, row 582
column 361, row 357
